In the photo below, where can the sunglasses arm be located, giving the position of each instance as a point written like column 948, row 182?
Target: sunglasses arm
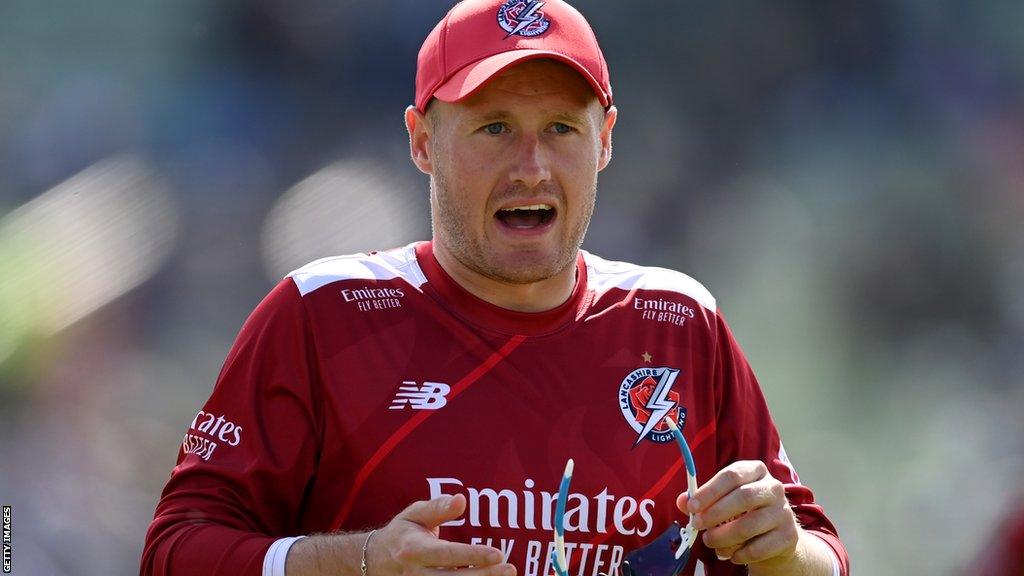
column 688, row 533
column 560, row 564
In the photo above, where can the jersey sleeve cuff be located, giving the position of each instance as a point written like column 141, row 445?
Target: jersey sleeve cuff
column 273, row 562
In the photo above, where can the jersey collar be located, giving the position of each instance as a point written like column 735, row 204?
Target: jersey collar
column 483, row 314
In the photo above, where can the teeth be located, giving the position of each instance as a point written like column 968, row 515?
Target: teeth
column 530, row 207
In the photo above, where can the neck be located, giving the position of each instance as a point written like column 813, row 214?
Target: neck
column 537, row 296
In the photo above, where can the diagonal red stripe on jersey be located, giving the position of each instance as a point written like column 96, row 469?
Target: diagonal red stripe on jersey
column 698, row 439
column 415, row 421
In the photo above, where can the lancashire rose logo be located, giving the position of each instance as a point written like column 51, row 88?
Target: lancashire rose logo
column 523, row 18
column 646, row 397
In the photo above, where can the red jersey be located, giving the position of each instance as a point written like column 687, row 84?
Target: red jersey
column 364, row 383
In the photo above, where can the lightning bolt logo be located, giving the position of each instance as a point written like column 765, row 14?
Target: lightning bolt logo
column 658, row 403
column 528, row 16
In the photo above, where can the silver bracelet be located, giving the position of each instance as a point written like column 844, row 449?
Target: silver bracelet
column 362, row 563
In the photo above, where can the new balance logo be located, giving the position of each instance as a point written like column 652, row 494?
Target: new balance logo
column 429, row 396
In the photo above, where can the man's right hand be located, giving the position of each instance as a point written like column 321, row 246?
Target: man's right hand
column 409, row 545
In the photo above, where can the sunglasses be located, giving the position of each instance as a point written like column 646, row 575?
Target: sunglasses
column 665, row 556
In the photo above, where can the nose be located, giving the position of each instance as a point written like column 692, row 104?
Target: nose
column 531, row 164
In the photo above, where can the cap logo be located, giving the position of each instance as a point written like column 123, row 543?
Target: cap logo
column 522, row 17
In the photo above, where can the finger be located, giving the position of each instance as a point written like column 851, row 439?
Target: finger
column 779, row 543
column 746, row 498
column 726, row 553
column 432, row 513
column 738, row 532
column 443, row 554
column 725, row 481
column 496, row 570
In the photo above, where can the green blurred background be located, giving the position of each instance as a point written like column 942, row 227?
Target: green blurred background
column 847, row 177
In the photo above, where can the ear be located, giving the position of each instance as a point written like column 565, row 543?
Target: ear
column 610, row 116
column 420, row 133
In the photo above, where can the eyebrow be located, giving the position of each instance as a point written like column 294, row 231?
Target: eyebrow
column 505, row 114
column 570, row 118
column 491, row 116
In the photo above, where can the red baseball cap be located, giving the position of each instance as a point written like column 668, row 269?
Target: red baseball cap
column 480, row 38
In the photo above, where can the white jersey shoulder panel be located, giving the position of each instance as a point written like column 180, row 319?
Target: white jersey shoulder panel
column 389, row 265
column 603, row 275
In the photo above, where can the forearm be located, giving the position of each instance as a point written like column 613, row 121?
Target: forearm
column 326, row 555
column 812, row 557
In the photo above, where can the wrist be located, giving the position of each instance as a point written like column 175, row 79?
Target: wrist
column 362, row 561
column 811, row 557
column 326, row 555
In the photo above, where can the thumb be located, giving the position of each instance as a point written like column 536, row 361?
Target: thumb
column 432, row 513
column 682, row 501
column 687, row 506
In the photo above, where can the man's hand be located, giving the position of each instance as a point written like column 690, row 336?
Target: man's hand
column 747, row 520
column 408, row 545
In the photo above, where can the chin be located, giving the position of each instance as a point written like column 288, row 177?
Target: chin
column 527, row 268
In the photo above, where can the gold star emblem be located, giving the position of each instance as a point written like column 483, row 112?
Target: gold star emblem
column 647, row 357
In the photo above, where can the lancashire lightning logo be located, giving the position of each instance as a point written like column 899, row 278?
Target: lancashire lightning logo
column 645, row 398
column 523, row 18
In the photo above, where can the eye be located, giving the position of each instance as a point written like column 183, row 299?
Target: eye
column 495, row 128
column 560, row 128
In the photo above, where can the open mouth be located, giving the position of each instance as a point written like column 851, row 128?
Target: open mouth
column 526, row 217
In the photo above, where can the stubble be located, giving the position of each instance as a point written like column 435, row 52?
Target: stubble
column 452, row 220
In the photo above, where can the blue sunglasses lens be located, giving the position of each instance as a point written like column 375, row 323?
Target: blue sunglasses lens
column 659, row 557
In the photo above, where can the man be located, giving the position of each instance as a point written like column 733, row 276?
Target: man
column 413, row 409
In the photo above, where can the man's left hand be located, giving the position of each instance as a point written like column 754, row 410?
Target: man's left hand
column 745, row 515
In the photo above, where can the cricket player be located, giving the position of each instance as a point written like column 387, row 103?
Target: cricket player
column 411, row 411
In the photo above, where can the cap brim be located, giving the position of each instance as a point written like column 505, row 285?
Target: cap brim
column 473, row 76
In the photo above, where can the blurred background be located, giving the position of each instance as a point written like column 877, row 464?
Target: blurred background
column 847, row 177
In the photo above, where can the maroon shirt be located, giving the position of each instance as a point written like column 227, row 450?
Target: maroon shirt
column 364, row 383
